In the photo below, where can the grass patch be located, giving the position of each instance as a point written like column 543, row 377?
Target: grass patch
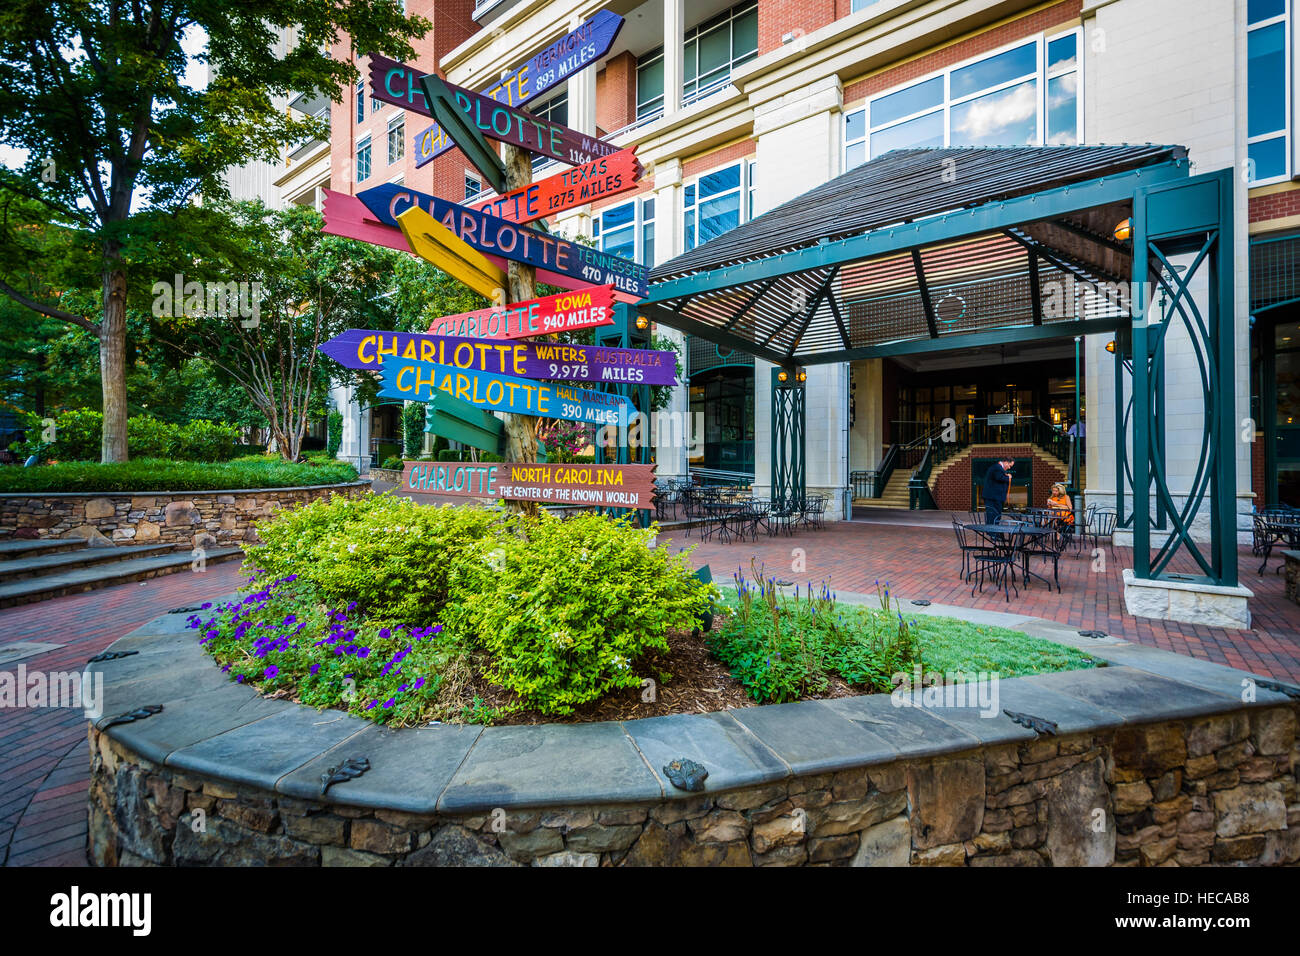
column 147, row 474
column 784, row 647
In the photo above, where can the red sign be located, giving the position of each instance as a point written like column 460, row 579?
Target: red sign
column 597, row 486
column 607, row 176
column 566, row 312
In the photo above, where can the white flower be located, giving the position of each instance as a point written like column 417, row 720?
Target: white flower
column 351, row 548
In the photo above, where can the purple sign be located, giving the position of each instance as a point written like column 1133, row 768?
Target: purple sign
column 554, row 361
column 544, row 71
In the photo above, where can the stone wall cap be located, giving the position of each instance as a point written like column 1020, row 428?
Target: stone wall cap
column 212, row 727
column 1133, row 581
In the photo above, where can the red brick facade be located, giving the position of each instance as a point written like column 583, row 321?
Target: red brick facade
column 445, row 176
column 722, row 157
column 616, row 94
column 776, row 18
column 1277, row 205
column 952, row 488
column 1257, row 470
column 973, row 46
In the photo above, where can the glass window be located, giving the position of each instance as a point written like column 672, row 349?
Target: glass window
column 361, row 100
column 363, row 160
column 472, row 187
column 1005, row 118
column 923, row 131
column 1005, row 99
column 713, row 204
column 994, row 71
column 647, row 256
column 1266, row 79
column 618, row 230
column 650, row 84
column 1267, row 90
column 715, row 47
column 396, row 139
column 913, row 99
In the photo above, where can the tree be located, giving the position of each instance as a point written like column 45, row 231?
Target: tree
column 96, row 93
column 308, row 287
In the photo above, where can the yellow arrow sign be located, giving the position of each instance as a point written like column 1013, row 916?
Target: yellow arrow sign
column 434, row 242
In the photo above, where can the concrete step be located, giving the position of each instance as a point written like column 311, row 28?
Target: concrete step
column 77, row 580
column 30, row 547
column 17, row 569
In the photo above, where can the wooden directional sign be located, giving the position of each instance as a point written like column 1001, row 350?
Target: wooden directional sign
column 557, row 361
column 444, row 101
column 434, row 242
column 601, row 486
column 546, row 70
column 565, row 312
column 347, row 216
column 417, row 381
column 483, row 116
column 493, row 236
column 607, row 176
column 460, row 421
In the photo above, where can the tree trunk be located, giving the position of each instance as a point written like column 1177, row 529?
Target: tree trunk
column 521, row 430
column 112, row 361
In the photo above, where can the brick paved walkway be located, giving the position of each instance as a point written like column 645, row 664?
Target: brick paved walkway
column 44, row 763
column 43, row 758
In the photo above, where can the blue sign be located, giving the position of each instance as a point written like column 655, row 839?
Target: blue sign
column 418, row 381
column 544, row 71
column 499, row 237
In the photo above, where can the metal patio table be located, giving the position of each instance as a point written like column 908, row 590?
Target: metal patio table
column 1278, row 529
column 992, row 532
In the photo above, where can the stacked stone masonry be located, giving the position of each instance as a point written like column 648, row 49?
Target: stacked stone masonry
column 1219, row 790
column 183, row 519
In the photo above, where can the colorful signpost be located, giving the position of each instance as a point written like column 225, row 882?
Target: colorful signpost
column 601, row 486
column 467, row 114
column 607, row 176
column 557, row 361
column 471, row 141
column 434, row 242
column 494, row 236
column 544, row 71
column 564, row 312
column 416, row 381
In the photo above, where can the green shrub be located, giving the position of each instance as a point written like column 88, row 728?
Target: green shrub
column 489, row 456
column 413, row 429
column 389, row 555
column 393, row 463
column 144, row 474
column 440, row 444
column 450, row 454
column 77, row 438
column 334, row 432
column 565, row 607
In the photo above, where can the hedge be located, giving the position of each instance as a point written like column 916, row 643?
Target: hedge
column 154, row 475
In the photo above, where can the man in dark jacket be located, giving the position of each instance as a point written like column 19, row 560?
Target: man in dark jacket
column 997, row 482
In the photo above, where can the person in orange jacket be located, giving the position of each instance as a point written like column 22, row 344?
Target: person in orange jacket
column 1061, row 505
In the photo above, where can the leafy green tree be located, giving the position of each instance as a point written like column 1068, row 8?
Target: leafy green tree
column 119, row 142
column 311, row 287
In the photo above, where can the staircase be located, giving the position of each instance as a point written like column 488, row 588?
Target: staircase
column 36, row 570
column 895, row 494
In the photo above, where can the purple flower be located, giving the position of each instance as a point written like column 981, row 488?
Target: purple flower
column 363, row 653
column 390, row 702
column 315, row 668
column 239, row 678
column 271, row 671
column 385, row 634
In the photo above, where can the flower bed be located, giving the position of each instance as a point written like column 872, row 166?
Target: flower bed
column 405, row 613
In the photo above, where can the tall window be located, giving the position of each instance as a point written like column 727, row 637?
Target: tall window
column 361, row 100
column 363, row 160
column 627, row 230
column 1024, row 95
column 472, row 187
column 710, row 52
column 718, row 201
column 396, row 138
column 1268, row 89
column 556, row 109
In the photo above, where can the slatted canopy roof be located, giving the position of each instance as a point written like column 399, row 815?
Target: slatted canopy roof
column 921, row 249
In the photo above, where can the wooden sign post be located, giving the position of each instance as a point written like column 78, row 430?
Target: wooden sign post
column 521, row 430
column 434, row 242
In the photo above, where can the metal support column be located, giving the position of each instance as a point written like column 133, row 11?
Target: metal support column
column 789, row 434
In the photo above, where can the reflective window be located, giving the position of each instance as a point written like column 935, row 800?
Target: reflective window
column 1268, row 81
column 363, row 160
column 720, row 200
column 1022, row 96
column 627, row 230
column 396, row 138
column 710, row 51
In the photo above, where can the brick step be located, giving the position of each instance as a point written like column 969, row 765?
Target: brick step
column 77, row 580
column 17, row 569
column 30, row 547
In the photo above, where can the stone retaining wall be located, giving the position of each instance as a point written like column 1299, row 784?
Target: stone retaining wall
column 1212, row 790
column 186, row 519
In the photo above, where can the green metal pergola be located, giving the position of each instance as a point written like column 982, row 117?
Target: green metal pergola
column 926, row 250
